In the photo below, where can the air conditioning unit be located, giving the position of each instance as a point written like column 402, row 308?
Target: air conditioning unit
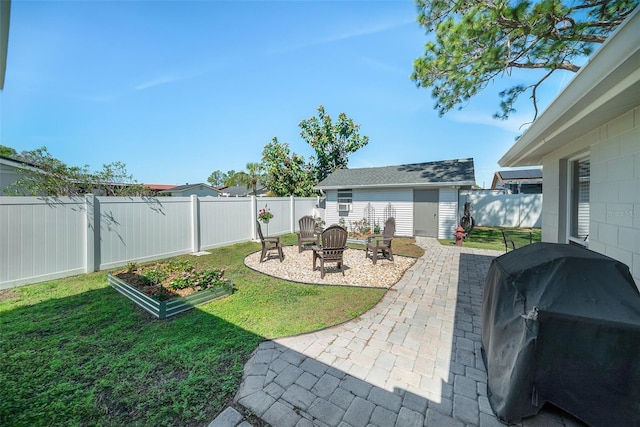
column 344, row 207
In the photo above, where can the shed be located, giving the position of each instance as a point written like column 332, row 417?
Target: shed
column 422, row 197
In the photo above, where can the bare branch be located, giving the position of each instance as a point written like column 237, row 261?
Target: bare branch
column 564, row 66
column 534, row 96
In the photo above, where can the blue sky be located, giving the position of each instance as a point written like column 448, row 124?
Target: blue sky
column 178, row 89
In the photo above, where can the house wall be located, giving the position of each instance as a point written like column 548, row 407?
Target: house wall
column 8, row 175
column 614, row 225
column 401, row 200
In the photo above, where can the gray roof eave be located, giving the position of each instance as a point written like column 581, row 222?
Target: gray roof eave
column 398, row 185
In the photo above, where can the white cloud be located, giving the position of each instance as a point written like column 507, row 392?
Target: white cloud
column 157, row 82
column 346, row 35
column 517, row 123
column 385, row 67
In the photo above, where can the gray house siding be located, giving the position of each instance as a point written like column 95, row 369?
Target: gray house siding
column 8, row 175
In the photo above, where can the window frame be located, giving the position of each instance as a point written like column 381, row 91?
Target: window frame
column 344, row 197
column 579, row 195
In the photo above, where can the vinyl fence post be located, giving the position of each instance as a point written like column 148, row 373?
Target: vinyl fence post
column 92, row 233
column 254, row 217
column 195, row 223
column 292, row 210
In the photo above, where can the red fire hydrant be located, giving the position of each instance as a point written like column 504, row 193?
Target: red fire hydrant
column 459, row 235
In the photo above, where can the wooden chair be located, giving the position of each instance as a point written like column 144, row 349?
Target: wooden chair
column 334, row 243
column 381, row 243
column 307, row 233
column 269, row 244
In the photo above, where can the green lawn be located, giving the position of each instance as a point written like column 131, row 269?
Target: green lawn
column 491, row 237
column 76, row 352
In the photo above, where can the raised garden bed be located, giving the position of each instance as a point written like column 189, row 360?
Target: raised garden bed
column 167, row 289
column 168, row 308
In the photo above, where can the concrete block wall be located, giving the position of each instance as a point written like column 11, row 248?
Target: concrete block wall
column 615, row 191
column 614, row 223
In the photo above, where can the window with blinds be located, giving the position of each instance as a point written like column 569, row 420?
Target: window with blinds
column 581, row 184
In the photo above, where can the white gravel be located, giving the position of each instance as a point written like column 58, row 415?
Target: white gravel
column 358, row 271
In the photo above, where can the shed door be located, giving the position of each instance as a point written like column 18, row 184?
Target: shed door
column 425, row 213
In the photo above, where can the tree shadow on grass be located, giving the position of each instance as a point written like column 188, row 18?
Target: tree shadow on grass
column 97, row 359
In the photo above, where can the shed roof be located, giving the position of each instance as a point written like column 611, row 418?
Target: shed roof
column 429, row 174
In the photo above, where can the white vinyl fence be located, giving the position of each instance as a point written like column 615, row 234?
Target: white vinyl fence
column 491, row 208
column 48, row 238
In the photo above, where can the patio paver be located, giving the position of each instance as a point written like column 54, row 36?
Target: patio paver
column 414, row 359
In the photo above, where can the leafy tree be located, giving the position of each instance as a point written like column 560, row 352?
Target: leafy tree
column 250, row 178
column 216, row 178
column 332, row 142
column 49, row 176
column 227, row 178
column 8, row 152
column 114, row 180
column 479, row 40
column 286, row 173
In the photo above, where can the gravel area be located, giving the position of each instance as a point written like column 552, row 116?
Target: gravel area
column 358, row 271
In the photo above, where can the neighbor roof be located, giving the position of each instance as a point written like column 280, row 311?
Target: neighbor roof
column 241, row 191
column 17, row 163
column 186, row 187
column 429, row 174
column 524, row 174
column 159, row 186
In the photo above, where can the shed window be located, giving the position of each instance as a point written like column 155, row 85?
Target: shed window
column 345, row 199
column 345, row 196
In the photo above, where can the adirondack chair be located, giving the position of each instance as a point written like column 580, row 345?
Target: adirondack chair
column 334, row 243
column 269, row 244
column 381, row 243
column 307, row 233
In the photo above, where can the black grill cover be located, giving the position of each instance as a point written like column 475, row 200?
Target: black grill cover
column 561, row 324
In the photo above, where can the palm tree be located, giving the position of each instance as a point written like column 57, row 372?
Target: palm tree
column 249, row 179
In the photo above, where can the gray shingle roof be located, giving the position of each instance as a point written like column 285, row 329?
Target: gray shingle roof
column 445, row 172
column 184, row 187
column 521, row 174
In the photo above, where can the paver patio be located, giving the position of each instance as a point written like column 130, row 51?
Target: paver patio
column 413, row 360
